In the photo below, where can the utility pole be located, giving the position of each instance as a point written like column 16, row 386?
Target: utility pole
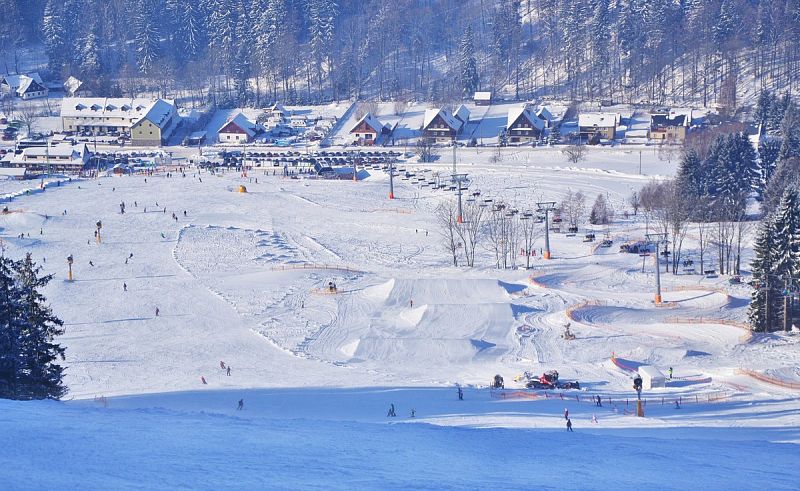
column 391, row 178
column 657, row 239
column 69, row 264
column 640, row 162
column 546, row 207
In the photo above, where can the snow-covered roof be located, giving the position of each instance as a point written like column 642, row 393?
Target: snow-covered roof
column 97, row 107
column 59, row 150
column 241, row 121
column 462, row 113
column 26, row 83
column 71, row 85
column 371, row 121
column 278, row 107
column 516, row 111
column 600, row 120
column 13, row 171
column 16, row 80
column 158, row 112
column 483, row 96
column 430, row 115
column 544, row 113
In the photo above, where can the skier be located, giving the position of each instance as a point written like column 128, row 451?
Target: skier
column 413, row 413
column 241, row 405
column 222, row 364
column 677, row 405
column 184, row 212
column 460, row 394
column 594, row 418
column 566, row 414
column 229, row 371
column 124, row 287
column 203, row 379
column 131, row 256
column 91, row 264
column 157, row 311
column 599, row 402
column 670, row 373
column 412, row 303
column 569, row 424
column 391, row 412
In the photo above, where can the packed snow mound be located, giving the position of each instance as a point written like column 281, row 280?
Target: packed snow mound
column 446, row 291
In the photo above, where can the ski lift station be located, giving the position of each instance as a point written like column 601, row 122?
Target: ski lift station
column 651, row 377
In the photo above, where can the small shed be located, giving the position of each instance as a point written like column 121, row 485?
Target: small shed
column 651, row 377
column 482, row 98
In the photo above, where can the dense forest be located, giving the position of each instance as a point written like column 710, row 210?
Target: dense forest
column 254, row 51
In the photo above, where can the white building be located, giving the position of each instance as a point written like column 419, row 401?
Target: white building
column 24, row 86
column 104, row 114
column 651, row 377
column 61, row 157
column 237, row 129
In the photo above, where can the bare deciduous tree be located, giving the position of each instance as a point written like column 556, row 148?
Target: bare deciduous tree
column 471, row 230
column 446, row 219
column 574, row 153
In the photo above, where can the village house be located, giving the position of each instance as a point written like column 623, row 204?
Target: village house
column 482, row 98
column 73, row 87
column 62, row 157
column 367, row 130
column 24, row 86
column 543, row 113
column 462, row 114
column 101, row 115
column 440, row 125
column 277, row 115
column 604, row 125
column 669, row 126
column 156, row 125
column 523, row 126
column 237, row 129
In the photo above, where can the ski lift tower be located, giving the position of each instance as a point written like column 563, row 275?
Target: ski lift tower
column 546, row 207
column 461, row 183
column 657, row 238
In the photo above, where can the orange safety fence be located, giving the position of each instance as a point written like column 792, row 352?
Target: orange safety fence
column 290, row 267
column 769, row 380
column 622, row 365
column 744, row 338
column 534, row 282
column 517, row 394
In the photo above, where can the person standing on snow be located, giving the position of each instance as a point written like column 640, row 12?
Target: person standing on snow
column 203, row 379
column 241, row 405
column 670, row 373
column 460, row 394
column 566, row 414
column 569, row 424
column 124, row 287
column 157, row 311
column 229, row 371
column 391, row 412
column 222, row 364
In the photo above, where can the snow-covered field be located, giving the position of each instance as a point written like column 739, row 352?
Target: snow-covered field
column 243, row 278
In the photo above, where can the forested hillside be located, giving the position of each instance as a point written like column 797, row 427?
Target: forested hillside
column 249, row 51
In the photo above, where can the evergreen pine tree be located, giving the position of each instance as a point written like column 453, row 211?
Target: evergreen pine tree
column 786, row 226
column 790, row 129
column 468, row 64
column 691, row 178
column 762, row 316
column 763, row 107
column 768, row 151
column 40, row 375
column 147, row 36
column 10, row 332
column 53, row 30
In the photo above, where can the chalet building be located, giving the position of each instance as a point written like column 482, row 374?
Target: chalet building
column 102, row 115
column 545, row 115
column 73, row 87
column 440, row 125
column 604, row 125
column 156, row 125
column 482, row 98
column 237, row 129
column 277, row 115
column 523, row 126
column 367, row 130
column 25, row 87
column 669, row 126
column 62, row 157
column 462, row 114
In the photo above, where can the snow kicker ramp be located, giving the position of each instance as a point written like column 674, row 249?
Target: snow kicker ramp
column 451, row 321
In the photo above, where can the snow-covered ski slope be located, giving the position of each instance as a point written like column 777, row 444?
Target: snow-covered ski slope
column 243, row 278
